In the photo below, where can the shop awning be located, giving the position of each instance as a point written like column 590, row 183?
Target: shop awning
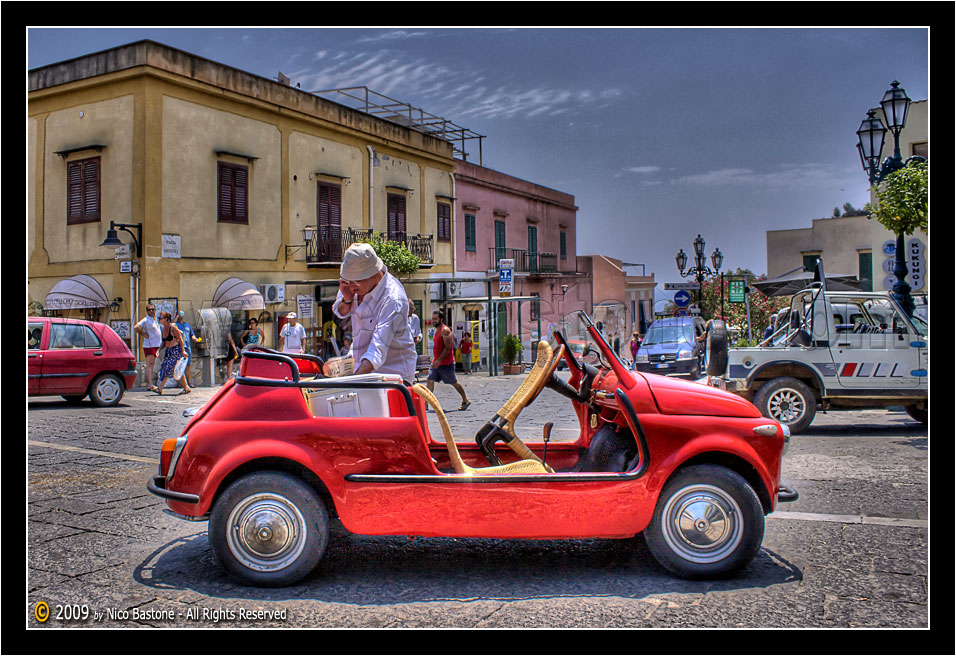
column 76, row 293
column 237, row 294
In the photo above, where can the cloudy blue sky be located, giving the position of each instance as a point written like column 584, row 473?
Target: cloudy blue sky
column 659, row 133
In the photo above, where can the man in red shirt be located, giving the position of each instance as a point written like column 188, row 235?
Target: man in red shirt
column 443, row 359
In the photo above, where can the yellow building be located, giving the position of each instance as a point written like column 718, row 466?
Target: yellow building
column 220, row 174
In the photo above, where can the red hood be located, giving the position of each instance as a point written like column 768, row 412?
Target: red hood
column 682, row 397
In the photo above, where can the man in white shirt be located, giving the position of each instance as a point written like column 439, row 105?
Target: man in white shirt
column 148, row 327
column 291, row 336
column 414, row 323
column 378, row 307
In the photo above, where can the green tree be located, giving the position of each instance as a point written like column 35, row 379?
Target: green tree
column 762, row 307
column 902, row 200
column 902, row 206
column 400, row 261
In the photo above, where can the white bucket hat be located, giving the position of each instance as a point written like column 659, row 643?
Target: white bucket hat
column 360, row 262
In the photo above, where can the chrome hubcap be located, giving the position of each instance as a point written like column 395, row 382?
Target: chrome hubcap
column 107, row 390
column 266, row 532
column 786, row 406
column 702, row 523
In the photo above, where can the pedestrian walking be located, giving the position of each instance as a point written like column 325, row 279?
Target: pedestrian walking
column 635, row 347
column 175, row 350
column 375, row 302
column 465, row 346
column 292, row 335
column 414, row 323
column 189, row 338
column 442, row 369
column 148, row 327
column 232, row 354
column 252, row 334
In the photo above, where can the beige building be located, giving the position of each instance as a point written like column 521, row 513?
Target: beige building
column 857, row 245
column 228, row 176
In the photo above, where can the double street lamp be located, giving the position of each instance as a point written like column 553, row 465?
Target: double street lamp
column 700, row 270
column 872, row 135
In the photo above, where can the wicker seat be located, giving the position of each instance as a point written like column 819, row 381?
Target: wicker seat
column 527, row 466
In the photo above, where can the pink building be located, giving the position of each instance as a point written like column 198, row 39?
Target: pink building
column 498, row 216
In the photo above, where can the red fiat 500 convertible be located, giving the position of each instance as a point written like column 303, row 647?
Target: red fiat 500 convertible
column 281, row 449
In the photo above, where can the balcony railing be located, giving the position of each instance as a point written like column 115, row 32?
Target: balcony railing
column 328, row 243
column 525, row 261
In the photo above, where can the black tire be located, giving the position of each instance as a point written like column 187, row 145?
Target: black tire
column 919, row 414
column 107, row 390
column 269, row 529
column 708, row 523
column 789, row 401
column 716, row 348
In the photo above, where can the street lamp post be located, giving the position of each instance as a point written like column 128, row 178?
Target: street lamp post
column 872, row 135
column 700, row 271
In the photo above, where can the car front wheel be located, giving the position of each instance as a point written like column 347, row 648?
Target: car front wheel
column 708, row 522
column 269, row 529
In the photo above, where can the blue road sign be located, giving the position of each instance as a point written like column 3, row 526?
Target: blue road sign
column 682, row 298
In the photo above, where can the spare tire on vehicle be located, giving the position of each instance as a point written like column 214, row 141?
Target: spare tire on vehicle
column 716, row 347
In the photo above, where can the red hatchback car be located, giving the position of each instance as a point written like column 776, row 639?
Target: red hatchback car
column 73, row 358
column 281, row 449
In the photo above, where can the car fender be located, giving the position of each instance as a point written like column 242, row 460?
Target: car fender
column 809, row 369
column 225, row 464
column 721, row 446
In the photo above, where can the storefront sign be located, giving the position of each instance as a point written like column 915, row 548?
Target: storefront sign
column 505, row 279
column 304, row 303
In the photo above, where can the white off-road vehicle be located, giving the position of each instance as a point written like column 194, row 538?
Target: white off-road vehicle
column 839, row 349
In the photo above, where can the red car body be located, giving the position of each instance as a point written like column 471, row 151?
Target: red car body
column 389, row 476
column 74, row 358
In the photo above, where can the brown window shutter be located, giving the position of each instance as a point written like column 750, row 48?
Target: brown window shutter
column 83, row 190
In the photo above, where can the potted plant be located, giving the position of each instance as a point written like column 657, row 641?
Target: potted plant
column 509, row 353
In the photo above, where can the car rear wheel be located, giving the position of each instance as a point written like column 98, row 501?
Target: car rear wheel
column 708, row 522
column 920, row 414
column 106, row 390
column 789, row 401
column 269, row 529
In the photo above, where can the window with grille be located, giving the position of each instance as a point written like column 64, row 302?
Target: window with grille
column 444, row 222
column 83, row 190
column 564, row 245
column 471, row 239
column 233, row 205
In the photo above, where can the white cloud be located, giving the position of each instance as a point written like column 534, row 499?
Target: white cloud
column 643, row 169
column 788, row 177
column 456, row 94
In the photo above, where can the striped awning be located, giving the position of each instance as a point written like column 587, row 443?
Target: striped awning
column 237, row 294
column 78, row 292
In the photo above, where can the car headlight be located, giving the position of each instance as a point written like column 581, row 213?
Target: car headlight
column 641, row 357
column 685, row 354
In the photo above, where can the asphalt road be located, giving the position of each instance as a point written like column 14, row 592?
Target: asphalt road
column 851, row 552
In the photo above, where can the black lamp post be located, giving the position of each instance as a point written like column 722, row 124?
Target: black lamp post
column 700, row 270
column 872, row 135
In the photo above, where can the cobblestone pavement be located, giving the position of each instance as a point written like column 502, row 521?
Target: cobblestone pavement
column 851, row 552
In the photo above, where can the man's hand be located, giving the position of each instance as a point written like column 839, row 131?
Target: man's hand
column 346, row 290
